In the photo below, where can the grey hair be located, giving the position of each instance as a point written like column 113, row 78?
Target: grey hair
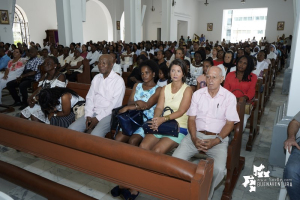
column 220, row 71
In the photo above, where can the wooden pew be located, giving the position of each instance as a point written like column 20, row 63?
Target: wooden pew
column 155, row 174
column 252, row 123
column 262, row 96
column 235, row 163
column 85, row 76
column 125, row 76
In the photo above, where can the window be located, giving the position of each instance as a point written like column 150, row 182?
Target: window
column 242, row 24
column 20, row 27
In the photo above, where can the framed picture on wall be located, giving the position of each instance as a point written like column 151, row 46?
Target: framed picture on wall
column 210, row 26
column 280, row 26
column 118, row 25
column 4, row 17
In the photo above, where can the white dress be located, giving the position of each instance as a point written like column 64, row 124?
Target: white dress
column 13, row 73
column 196, row 71
column 127, row 61
column 36, row 109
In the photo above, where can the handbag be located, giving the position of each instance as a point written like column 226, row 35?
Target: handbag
column 130, row 121
column 114, row 122
column 78, row 109
column 248, row 105
column 168, row 128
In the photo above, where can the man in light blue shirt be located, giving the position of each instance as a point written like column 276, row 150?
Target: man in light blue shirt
column 3, row 59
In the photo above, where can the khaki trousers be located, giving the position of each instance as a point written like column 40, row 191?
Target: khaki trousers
column 187, row 149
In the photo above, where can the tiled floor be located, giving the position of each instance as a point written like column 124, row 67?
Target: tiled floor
column 100, row 189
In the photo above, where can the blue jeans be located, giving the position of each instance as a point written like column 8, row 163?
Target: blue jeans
column 292, row 172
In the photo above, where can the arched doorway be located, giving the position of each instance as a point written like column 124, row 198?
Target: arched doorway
column 20, row 26
column 122, row 28
column 98, row 19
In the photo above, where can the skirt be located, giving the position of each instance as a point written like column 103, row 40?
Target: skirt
column 63, row 121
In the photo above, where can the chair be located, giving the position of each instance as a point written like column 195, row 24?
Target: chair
column 283, row 192
column 262, row 96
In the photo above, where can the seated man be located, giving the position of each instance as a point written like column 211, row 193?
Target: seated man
column 3, row 59
column 116, row 67
column 93, row 56
column 212, row 115
column 292, row 169
column 106, row 93
column 30, row 74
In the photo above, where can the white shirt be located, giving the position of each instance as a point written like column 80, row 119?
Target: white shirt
column 93, row 57
column 196, row 71
column 63, row 61
column 272, row 55
column 117, row 69
column 260, row 67
column 104, row 95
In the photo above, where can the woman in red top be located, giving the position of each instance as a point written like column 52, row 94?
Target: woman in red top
column 242, row 82
column 220, row 58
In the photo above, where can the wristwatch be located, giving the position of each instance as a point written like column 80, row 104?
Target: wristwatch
column 220, row 138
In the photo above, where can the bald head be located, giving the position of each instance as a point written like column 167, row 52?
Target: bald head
column 214, row 78
column 215, row 70
column 105, row 64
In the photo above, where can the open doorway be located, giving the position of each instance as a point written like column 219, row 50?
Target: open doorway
column 182, row 29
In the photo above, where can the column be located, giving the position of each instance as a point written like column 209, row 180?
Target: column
column 133, row 21
column 166, row 20
column 69, row 21
column 294, row 94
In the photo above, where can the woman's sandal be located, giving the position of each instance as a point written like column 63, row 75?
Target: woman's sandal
column 128, row 196
column 116, row 191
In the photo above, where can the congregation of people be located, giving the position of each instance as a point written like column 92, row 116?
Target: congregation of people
column 199, row 80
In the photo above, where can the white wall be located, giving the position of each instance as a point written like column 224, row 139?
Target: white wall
column 152, row 19
column 95, row 27
column 278, row 10
column 6, row 34
column 41, row 16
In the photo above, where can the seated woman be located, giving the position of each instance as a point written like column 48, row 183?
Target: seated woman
column 228, row 65
column 126, row 58
column 56, row 105
column 163, row 76
column 168, row 57
column 196, row 68
column 84, row 51
column 214, row 53
column 242, row 82
column 190, row 80
column 64, row 59
column 261, row 64
column 144, row 96
column 201, row 80
column 52, row 78
column 75, row 66
column 176, row 95
column 161, row 58
column 14, row 69
column 220, row 58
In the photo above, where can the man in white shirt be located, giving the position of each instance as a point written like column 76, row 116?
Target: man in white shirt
column 116, row 68
column 106, row 93
column 93, row 55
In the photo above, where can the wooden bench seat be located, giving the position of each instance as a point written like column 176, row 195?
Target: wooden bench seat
column 152, row 173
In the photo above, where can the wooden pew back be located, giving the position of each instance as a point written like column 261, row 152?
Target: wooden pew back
column 156, row 174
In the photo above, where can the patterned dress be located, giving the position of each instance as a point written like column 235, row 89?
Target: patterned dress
column 144, row 95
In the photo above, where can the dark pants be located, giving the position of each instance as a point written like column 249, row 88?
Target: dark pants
column 23, row 85
column 72, row 77
column 292, row 174
column 288, row 48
